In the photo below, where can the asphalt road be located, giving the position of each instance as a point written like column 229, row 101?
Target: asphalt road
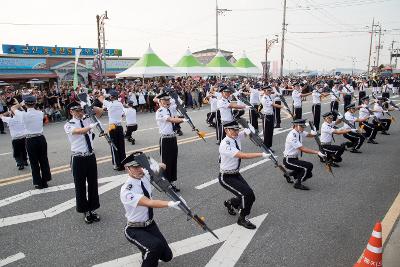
column 326, row 226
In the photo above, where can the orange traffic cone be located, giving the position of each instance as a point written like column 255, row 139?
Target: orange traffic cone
column 372, row 255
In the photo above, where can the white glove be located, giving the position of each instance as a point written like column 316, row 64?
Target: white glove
column 354, row 130
column 247, row 131
column 83, row 104
column 22, row 103
column 246, row 107
column 92, row 125
column 339, row 116
column 371, row 116
column 185, row 120
column 312, row 132
column 265, row 155
column 322, row 155
column 174, row 204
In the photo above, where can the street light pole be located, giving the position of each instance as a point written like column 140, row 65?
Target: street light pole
column 268, row 45
column 379, row 45
column 283, row 36
column 101, row 42
column 370, row 46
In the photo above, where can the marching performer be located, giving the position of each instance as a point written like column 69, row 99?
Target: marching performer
column 297, row 96
column 316, row 107
column 379, row 113
column 255, row 101
column 276, row 86
column 362, row 87
column 335, row 99
column 18, row 137
column 141, row 229
column 131, row 124
column 369, row 128
column 328, row 129
column 302, row 170
column 83, row 161
column 115, row 112
column 229, row 176
column 268, row 112
column 347, row 92
column 212, row 99
column 355, row 139
column 36, row 144
column 225, row 107
column 168, row 141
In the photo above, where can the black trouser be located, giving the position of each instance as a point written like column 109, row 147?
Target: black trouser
column 150, row 241
column 117, row 136
column 302, row 170
column 268, row 130
column 277, row 113
column 333, row 152
column 384, row 124
column 218, row 125
column 129, row 130
column 210, row 118
column 346, row 101
column 253, row 115
column 334, row 107
column 361, row 94
column 316, row 110
column 37, row 152
column 176, row 127
column 1, row 126
column 19, row 151
column 221, row 129
column 386, row 94
column 84, row 169
column 356, row 140
column 370, row 130
column 169, row 156
column 298, row 113
column 238, row 186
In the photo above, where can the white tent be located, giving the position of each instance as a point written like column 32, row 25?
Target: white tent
column 150, row 65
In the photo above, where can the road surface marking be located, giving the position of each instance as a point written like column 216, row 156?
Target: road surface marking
column 3, row 154
column 53, row 211
column 12, row 259
column 236, row 238
column 390, row 218
column 65, row 168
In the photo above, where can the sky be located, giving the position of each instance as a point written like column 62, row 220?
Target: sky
column 321, row 34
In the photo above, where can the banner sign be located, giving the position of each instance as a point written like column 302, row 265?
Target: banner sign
column 22, row 63
column 54, row 50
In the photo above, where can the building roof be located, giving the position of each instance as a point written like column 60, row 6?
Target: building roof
column 214, row 50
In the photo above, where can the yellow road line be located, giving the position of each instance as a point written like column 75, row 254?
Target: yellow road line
column 65, row 168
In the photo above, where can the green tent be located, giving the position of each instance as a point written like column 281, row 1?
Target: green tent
column 221, row 66
column 190, row 66
column 246, row 66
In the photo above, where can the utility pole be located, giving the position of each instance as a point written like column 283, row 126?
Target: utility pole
column 370, row 46
column 391, row 53
column 379, row 45
column 268, row 45
column 218, row 11
column 353, row 65
column 283, row 36
column 101, row 43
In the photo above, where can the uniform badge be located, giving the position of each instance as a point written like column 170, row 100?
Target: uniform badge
column 129, row 187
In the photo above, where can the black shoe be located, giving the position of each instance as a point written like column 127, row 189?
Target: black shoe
column 334, row 164
column 355, row 151
column 385, row 133
column 88, row 217
column 371, row 141
column 2, row 132
column 176, row 189
column 133, row 141
column 231, row 209
column 20, row 167
column 45, row 185
column 288, row 179
column 321, row 159
column 217, row 143
column 180, row 133
column 300, row 186
column 26, row 163
column 243, row 221
column 277, row 126
column 95, row 216
column 38, row 186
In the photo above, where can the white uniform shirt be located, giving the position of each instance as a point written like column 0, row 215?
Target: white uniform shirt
column 165, row 127
column 334, row 94
column 363, row 113
column 131, row 193
column 32, row 120
column 294, row 140
column 254, row 96
column 267, row 101
column 227, row 152
column 213, row 104
column 316, row 97
column 327, row 130
column 115, row 111
column 351, row 118
column 296, row 96
column 16, row 126
column 224, row 109
column 276, row 93
column 348, row 89
column 379, row 114
column 130, row 116
column 78, row 141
